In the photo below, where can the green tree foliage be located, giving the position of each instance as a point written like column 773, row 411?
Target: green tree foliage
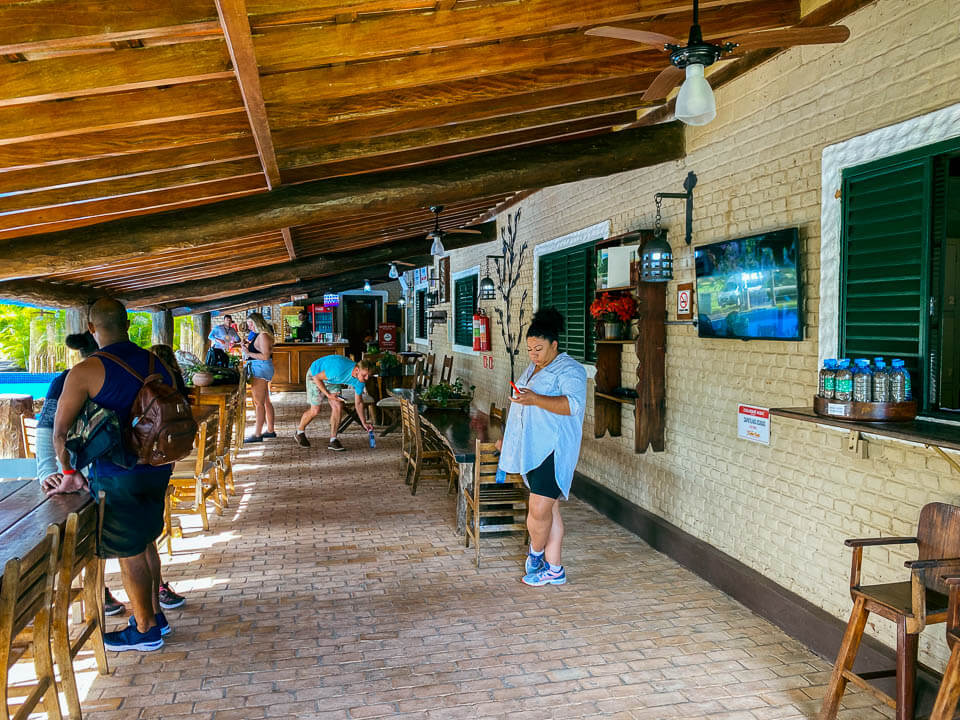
column 15, row 322
column 141, row 329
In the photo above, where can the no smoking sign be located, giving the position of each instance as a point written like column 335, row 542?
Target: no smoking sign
column 685, row 301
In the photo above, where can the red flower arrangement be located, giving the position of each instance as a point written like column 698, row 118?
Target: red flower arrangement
column 613, row 309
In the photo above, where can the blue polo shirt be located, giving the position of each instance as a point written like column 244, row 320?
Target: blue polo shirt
column 337, row 370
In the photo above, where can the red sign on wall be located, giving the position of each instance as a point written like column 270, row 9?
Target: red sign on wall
column 387, row 336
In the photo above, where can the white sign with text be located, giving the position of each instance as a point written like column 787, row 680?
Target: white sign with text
column 753, row 424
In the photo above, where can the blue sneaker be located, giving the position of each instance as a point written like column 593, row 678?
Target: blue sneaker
column 546, row 576
column 132, row 639
column 162, row 623
column 534, row 563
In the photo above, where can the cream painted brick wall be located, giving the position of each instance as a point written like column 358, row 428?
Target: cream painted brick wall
column 784, row 509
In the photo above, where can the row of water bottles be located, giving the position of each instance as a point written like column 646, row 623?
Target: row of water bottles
column 864, row 382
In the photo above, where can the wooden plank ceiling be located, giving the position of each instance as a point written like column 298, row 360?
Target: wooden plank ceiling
column 114, row 109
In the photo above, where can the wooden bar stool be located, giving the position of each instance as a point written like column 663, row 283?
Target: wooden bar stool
column 79, row 561
column 945, row 705
column 194, row 479
column 912, row 605
column 27, row 595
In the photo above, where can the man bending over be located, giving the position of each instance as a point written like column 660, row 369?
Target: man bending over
column 326, row 377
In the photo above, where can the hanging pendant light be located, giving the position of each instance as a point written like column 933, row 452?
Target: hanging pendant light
column 394, row 273
column 488, row 290
column 695, row 102
column 436, row 249
column 366, row 286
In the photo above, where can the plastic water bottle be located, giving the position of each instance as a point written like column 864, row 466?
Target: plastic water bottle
column 843, row 389
column 373, row 440
column 875, row 364
column 862, row 381
column 899, row 382
column 501, row 476
column 881, row 382
column 828, row 378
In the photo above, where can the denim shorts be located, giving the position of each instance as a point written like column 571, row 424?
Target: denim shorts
column 260, row 369
column 133, row 508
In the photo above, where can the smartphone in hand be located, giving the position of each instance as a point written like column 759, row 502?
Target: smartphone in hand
column 515, row 388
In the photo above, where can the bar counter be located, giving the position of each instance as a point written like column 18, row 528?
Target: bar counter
column 292, row 360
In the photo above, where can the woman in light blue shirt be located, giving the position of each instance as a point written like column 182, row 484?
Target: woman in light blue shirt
column 542, row 441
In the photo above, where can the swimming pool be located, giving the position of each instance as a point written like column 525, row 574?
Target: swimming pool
column 22, row 383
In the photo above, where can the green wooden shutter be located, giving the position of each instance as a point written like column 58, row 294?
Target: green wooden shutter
column 567, row 280
column 421, row 330
column 885, row 256
column 465, row 304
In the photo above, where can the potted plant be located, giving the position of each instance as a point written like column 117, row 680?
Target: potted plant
column 447, row 396
column 390, row 365
column 612, row 311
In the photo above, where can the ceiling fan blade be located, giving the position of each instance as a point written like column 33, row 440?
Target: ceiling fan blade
column 791, row 36
column 657, row 40
column 663, row 83
column 464, row 232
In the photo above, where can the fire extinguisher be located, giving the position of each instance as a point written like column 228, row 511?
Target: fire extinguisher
column 481, row 331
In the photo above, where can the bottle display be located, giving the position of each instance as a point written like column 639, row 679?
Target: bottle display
column 899, row 382
column 881, row 381
column 843, row 388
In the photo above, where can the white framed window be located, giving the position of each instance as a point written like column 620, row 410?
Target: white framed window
column 464, row 291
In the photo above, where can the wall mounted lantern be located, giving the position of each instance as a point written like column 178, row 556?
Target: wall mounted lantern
column 656, row 259
column 488, row 289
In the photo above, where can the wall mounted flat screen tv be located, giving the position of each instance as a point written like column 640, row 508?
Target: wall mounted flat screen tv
column 749, row 288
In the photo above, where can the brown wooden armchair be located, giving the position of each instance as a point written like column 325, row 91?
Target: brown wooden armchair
column 945, row 705
column 912, row 605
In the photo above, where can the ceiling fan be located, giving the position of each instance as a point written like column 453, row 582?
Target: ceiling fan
column 695, row 102
column 394, row 273
column 437, row 235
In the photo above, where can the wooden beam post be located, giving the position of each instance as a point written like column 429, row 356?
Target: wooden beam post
column 201, row 331
column 162, row 328
column 51, row 295
column 288, row 241
column 312, row 202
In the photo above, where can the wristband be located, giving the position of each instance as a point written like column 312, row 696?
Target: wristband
column 71, row 471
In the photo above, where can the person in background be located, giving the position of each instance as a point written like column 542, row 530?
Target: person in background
column 326, row 377
column 304, row 333
column 133, row 510
column 541, row 441
column 166, row 354
column 224, row 336
column 259, row 355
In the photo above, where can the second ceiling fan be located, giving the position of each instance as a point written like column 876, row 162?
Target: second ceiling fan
column 437, row 235
column 695, row 103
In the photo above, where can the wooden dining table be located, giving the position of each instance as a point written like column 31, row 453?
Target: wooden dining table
column 459, row 431
column 25, row 513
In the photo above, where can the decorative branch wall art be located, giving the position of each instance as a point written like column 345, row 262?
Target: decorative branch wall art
column 511, row 318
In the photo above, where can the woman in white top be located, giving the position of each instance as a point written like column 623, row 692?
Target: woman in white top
column 542, row 441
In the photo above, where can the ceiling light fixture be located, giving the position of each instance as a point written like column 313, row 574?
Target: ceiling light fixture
column 366, row 286
column 394, row 273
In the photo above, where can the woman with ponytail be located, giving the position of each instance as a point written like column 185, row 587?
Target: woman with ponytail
column 542, row 441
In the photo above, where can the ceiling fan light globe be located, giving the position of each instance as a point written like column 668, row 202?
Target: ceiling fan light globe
column 394, row 273
column 366, row 286
column 437, row 249
column 695, row 102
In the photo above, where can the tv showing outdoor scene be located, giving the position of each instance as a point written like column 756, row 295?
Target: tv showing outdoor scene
column 750, row 288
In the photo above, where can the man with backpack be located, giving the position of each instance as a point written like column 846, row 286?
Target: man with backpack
column 155, row 420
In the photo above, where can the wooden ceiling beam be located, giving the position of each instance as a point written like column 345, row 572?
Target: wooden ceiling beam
column 84, row 75
column 125, row 141
column 81, row 42
column 79, row 116
column 166, row 180
column 236, row 31
column 288, row 242
column 299, row 270
column 268, row 13
column 313, row 202
column 125, row 166
column 46, row 294
column 393, row 35
column 505, row 205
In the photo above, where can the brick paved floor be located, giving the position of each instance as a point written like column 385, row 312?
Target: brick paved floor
column 328, row 591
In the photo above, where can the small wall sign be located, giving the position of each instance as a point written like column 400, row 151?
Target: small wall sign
column 685, row 301
column 753, row 424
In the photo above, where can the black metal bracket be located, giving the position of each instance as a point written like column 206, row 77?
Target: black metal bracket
column 688, row 184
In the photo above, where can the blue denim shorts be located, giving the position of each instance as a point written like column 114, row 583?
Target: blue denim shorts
column 260, row 369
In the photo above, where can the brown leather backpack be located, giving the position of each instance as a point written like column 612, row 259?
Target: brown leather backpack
column 161, row 428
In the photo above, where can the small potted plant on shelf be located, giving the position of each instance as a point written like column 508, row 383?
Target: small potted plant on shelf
column 447, row 396
column 612, row 312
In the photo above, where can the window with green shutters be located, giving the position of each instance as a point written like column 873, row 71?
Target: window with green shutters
column 897, row 233
column 567, row 279
column 464, row 306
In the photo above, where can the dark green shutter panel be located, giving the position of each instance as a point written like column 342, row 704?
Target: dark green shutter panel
column 465, row 302
column 421, row 313
column 566, row 282
column 884, row 293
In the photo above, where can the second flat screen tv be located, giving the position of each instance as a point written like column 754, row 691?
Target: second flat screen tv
column 749, row 288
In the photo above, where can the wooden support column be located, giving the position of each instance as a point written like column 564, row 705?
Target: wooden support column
column 162, row 330
column 11, row 407
column 201, row 329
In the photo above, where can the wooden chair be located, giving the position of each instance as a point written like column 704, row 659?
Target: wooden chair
column 28, row 432
column 912, row 605
column 428, row 369
column 27, row 595
column 489, row 499
column 240, row 419
column 446, row 371
column 225, row 448
column 427, row 456
column 194, row 480
column 945, row 704
column 79, row 561
column 496, row 413
column 419, row 375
